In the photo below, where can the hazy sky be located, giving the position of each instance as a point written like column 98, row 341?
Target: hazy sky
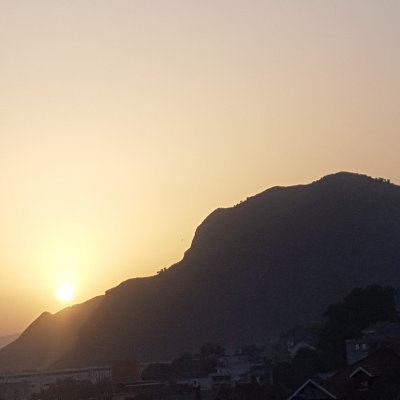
column 124, row 123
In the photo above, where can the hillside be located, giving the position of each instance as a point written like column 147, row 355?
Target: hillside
column 5, row 340
column 253, row 270
column 47, row 338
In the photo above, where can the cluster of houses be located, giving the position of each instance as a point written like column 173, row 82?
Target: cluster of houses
column 232, row 370
column 377, row 376
column 372, row 372
column 126, row 382
column 24, row 385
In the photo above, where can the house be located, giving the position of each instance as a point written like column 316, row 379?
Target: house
column 317, row 389
column 375, row 336
column 376, row 376
column 356, row 349
column 230, row 371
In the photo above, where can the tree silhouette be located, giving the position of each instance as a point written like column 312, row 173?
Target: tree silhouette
column 346, row 319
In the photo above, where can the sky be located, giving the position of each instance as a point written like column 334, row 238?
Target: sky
column 124, row 123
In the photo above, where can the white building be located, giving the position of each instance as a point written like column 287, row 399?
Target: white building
column 22, row 385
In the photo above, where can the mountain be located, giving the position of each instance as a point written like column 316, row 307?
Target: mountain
column 47, row 339
column 252, row 271
column 5, row 340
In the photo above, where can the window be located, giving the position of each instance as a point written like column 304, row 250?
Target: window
column 363, row 385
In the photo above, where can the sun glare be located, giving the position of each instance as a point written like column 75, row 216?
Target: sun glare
column 65, row 292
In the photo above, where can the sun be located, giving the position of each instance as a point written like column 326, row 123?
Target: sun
column 65, row 292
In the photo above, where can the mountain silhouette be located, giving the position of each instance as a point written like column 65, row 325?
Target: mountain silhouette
column 253, row 270
column 6, row 339
column 47, row 339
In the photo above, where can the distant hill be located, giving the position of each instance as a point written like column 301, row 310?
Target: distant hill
column 6, row 339
column 252, row 271
column 47, row 339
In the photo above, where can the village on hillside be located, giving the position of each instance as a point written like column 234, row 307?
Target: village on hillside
column 354, row 354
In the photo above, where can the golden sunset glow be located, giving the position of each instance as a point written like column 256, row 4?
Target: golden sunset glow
column 124, row 124
column 65, row 292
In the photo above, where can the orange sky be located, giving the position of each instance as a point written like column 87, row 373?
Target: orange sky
column 124, row 123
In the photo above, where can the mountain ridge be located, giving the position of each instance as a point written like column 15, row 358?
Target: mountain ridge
column 247, row 266
column 47, row 338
